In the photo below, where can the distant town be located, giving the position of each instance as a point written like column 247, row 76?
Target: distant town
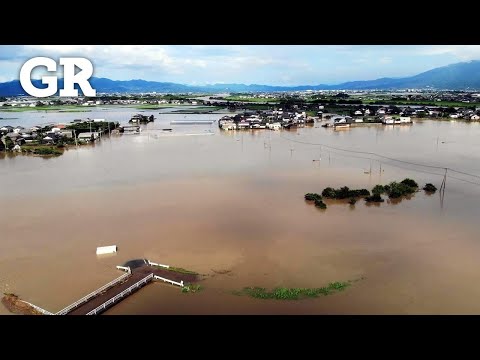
column 249, row 111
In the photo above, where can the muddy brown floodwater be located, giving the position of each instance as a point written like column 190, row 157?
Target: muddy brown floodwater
column 230, row 206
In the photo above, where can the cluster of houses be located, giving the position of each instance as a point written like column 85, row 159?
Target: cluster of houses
column 270, row 119
column 52, row 134
column 337, row 121
column 418, row 111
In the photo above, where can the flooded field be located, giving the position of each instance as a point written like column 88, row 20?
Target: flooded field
column 230, row 205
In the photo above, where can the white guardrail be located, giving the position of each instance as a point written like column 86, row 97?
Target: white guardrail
column 119, row 296
column 155, row 264
column 38, row 308
column 93, row 294
column 169, row 281
column 127, row 269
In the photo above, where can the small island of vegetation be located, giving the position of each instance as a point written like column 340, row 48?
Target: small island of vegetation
column 191, row 288
column 394, row 190
column 343, row 193
column 374, row 198
column 317, row 199
column 282, row 293
column 430, row 188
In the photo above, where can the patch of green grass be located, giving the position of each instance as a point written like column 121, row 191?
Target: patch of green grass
column 63, row 108
column 282, row 293
column 180, row 270
column 191, row 288
column 43, row 150
column 154, row 106
column 251, row 99
column 420, row 102
column 199, row 110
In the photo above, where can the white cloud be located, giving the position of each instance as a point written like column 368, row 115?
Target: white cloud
column 461, row 52
column 358, row 60
column 385, row 60
column 268, row 64
column 6, row 78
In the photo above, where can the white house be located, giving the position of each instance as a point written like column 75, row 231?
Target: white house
column 405, row 119
column 228, row 125
column 274, row 126
column 88, row 136
column 388, row 120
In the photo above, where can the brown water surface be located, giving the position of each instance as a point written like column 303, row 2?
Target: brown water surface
column 234, row 201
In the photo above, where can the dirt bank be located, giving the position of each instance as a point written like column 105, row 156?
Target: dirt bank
column 17, row 306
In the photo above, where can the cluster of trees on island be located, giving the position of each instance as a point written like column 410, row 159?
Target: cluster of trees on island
column 393, row 190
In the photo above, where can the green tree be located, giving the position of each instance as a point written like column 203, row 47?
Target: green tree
column 8, row 143
column 378, row 189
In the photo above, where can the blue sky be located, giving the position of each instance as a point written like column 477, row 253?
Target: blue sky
column 267, row 64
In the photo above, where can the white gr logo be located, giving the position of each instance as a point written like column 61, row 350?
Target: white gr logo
column 69, row 76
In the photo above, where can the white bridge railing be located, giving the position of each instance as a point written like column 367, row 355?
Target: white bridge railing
column 93, row 294
column 155, row 264
column 169, row 281
column 121, row 295
column 124, row 268
column 38, row 308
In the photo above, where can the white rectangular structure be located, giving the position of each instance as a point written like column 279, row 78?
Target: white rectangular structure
column 106, row 249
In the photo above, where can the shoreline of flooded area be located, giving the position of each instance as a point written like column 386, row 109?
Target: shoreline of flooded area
column 234, row 202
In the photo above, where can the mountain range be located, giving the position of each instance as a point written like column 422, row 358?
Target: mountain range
column 459, row 76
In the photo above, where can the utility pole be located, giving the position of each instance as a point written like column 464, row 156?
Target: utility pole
column 442, row 188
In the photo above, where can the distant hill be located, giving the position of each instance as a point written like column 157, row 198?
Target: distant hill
column 459, row 76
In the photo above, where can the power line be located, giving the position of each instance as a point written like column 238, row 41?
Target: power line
column 380, row 156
